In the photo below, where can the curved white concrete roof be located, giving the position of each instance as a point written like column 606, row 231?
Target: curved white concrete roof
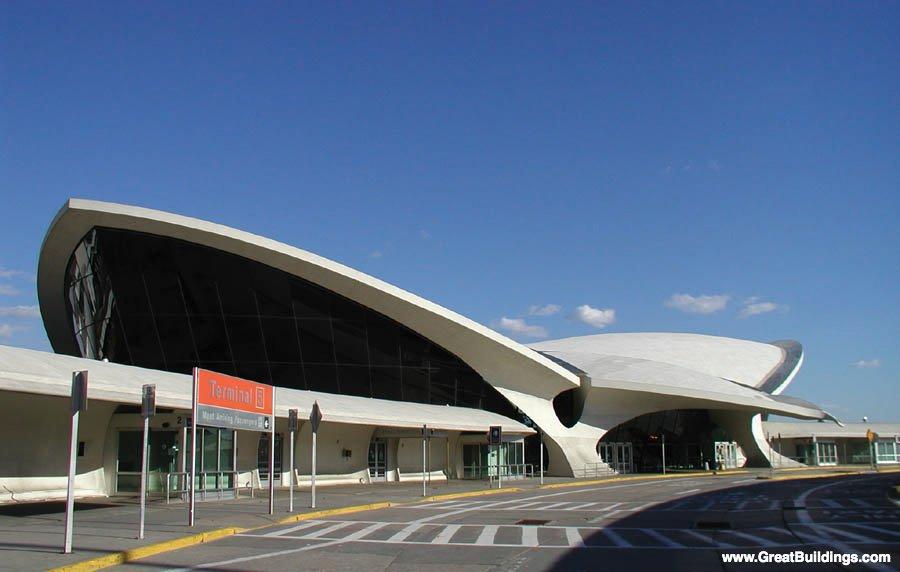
column 42, row 373
column 742, row 361
column 499, row 360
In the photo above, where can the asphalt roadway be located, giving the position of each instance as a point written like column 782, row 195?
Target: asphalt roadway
column 665, row 524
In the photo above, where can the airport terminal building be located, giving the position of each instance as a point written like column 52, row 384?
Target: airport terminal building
column 139, row 296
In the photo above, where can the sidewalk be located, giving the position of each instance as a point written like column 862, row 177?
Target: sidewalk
column 31, row 535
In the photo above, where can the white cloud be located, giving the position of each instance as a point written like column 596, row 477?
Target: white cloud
column 7, row 273
column 7, row 330
column 597, row 317
column 547, row 310
column 20, row 311
column 7, row 290
column 424, row 234
column 867, row 363
column 375, row 254
column 755, row 305
column 714, row 165
column 520, row 327
column 703, row 304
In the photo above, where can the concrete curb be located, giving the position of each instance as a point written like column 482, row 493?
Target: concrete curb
column 133, row 554
column 450, row 496
column 644, row 478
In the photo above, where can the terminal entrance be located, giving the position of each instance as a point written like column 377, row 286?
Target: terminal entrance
column 162, row 458
column 692, row 442
column 262, row 458
column 378, row 460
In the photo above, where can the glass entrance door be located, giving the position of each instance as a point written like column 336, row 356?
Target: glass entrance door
column 161, row 459
column 377, row 460
column 826, row 453
column 262, row 458
column 618, row 456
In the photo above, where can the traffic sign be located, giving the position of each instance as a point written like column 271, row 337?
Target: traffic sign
column 232, row 402
column 148, row 401
column 79, row 391
column 495, row 435
column 293, row 424
column 871, row 435
column 315, row 416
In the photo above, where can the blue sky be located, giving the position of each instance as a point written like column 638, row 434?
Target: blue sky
column 715, row 168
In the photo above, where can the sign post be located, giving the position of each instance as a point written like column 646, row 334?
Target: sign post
column 315, row 417
column 231, row 403
column 424, row 462
column 148, row 410
column 495, row 436
column 292, row 427
column 79, row 404
column 542, row 457
column 870, row 435
column 664, row 453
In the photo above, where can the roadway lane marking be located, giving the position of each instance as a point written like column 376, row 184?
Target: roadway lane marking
column 743, row 481
column 831, row 504
column 850, row 535
column 755, row 539
column 686, row 492
column 529, row 536
column 486, row 537
column 521, row 506
column 708, row 539
column 610, row 507
column 553, row 505
column 581, row 506
column 573, row 537
column 615, row 538
column 282, row 532
column 640, row 506
column 446, row 534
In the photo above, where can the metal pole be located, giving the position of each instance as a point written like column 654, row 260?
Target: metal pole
column 70, row 487
column 291, row 477
column 499, row 475
column 424, row 468
column 144, row 477
column 664, row 453
column 272, row 463
column 313, row 480
column 193, row 475
column 184, row 468
column 542, row 457
column 234, row 467
column 771, row 457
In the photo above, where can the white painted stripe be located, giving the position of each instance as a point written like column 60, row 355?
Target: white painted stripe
column 405, row 532
column 665, row 540
column 520, row 506
column 708, row 539
column 573, row 537
column 616, row 539
column 686, row 492
column 328, row 529
column 850, row 535
column 529, row 536
column 446, row 534
column 743, row 481
column 831, row 503
column 284, row 531
column 762, row 541
column 640, row 506
column 862, row 503
column 359, row 534
column 874, row 529
column 581, row 506
column 553, row 505
column 487, row 535
column 612, row 506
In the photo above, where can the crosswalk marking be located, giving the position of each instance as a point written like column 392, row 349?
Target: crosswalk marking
column 573, row 537
column 405, row 532
column 554, row 505
column 284, row 531
column 708, row 539
column 875, row 529
column 640, row 507
column 831, row 503
column 850, row 535
column 329, row 529
column 616, row 539
column 521, row 506
column 446, row 534
column 753, row 538
column 665, row 540
column 581, row 506
column 487, row 535
column 529, row 536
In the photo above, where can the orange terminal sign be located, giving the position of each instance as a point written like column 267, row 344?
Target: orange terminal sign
column 231, row 402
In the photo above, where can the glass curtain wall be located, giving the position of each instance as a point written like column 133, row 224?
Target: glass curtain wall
column 167, row 304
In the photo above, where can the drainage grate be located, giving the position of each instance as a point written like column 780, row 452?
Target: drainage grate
column 532, row 522
column 713, row 525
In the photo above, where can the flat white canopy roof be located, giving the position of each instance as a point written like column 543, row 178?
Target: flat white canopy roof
column 800, row 429
column 43, row 373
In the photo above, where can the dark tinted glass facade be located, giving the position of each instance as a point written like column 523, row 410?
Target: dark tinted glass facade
column 166, row 304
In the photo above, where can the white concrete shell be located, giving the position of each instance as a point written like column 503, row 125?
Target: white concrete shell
column 622, row 375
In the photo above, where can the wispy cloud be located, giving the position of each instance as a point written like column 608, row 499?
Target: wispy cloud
column 714, row 165
column 424, row 234
column 20, row 311
column 867, row 363
column 754, row 306
column 7, row 290
column 520, row 327
column 9, row 273
column 546, row 310
column 597, row 317
column 7, row 330
column 375, row 254
column 703, row 304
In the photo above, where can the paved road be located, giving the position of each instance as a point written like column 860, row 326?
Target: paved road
column 675, row 524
